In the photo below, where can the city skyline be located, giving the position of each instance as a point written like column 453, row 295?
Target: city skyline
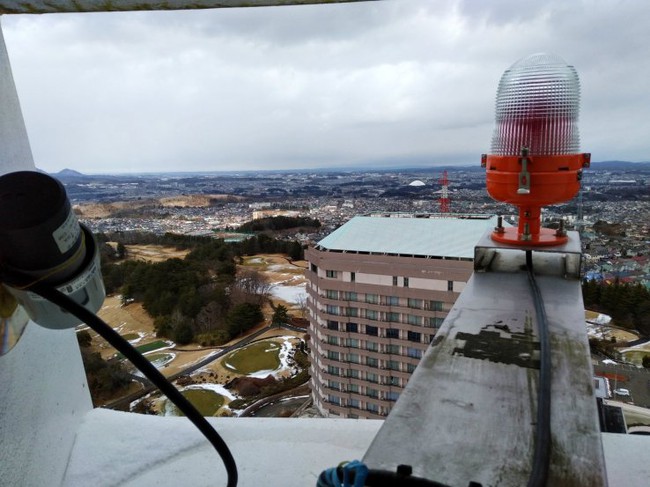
column 375, row 84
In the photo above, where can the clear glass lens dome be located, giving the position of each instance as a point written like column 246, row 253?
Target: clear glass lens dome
column 537, row 106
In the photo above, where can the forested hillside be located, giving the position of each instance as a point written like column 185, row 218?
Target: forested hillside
column 627, row 304
column 201, row 298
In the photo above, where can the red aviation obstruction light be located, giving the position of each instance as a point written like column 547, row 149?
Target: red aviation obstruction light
column 535, row 158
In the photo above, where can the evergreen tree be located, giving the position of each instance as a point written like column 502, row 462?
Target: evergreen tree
column 280, row 315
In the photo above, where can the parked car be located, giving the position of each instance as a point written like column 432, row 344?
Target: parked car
column 622, row 392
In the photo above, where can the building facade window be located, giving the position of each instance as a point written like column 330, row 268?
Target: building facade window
column 353, row 403
column 332, row 355
column 435, row 305
column 410, row 368
column 333, row 340
column 372, row 298
column 413, row 336
column 332, row 325
column 374, row 378
column 392, row 365
column 392, row 333
column 332, row 310
column 354, row 312
column 352, row 327
column 372, row 407
column 414, row 320
column 353, row 373
column 413, row 353
column 331, row 294
column 353, row 358
column 450, row 285
column 392, row 349
column 349, row 296
column 372, row 330
column 331, row 274
column 334, row 399
column 392, row 301
column 372, row 362
column 352, row 343
column 332, row 384
column 434, row 322
column 371, row 314
column 394, row 280
column 414, row 303
column 331, row 370
column 372, row 346
column 354, row 388
column 392, row 316
column 353, row 276
column 392, row 396
column 370, row 392
column 406, row 282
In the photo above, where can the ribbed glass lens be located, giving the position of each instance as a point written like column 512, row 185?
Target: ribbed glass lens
column 537, row 106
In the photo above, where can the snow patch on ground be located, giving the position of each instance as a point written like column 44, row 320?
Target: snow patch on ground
column 280, row 267
column 218, row 388
column 601, row 319
column 290, row 294
column 283, row 355
column 141, row 335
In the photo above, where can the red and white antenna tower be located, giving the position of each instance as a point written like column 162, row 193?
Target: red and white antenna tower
column 444, row 194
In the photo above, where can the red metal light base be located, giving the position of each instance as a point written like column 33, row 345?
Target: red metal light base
column 545, row 238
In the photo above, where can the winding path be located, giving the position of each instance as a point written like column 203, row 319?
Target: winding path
column 124, row 402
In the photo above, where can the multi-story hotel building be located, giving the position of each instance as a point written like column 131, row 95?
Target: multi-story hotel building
column 378, row 290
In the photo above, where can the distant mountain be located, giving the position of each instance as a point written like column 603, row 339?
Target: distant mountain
column 69, row 174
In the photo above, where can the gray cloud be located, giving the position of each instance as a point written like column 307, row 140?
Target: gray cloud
column 395, row 81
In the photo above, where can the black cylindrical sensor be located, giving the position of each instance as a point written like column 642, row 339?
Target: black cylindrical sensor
column 39, row 234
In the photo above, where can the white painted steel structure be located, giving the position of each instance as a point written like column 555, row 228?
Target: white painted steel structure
column 50, row 435
column 58, row 6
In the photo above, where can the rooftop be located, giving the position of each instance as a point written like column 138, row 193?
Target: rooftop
column 441, row 236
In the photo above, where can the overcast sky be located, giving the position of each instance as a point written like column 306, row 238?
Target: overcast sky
column 399, row 82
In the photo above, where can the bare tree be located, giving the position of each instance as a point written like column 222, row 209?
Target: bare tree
column 303, row 302
column 250, row 286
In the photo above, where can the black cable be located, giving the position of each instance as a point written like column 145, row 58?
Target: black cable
column 149, row 371
column 541, row 456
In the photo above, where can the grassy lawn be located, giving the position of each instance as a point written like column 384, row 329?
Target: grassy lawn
column 160, row 359
column 636, row 356
column 634, row 419
column 258, row 356
column 130, row 336
column 206, row 401
column 148, row 347
column 591, row 315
